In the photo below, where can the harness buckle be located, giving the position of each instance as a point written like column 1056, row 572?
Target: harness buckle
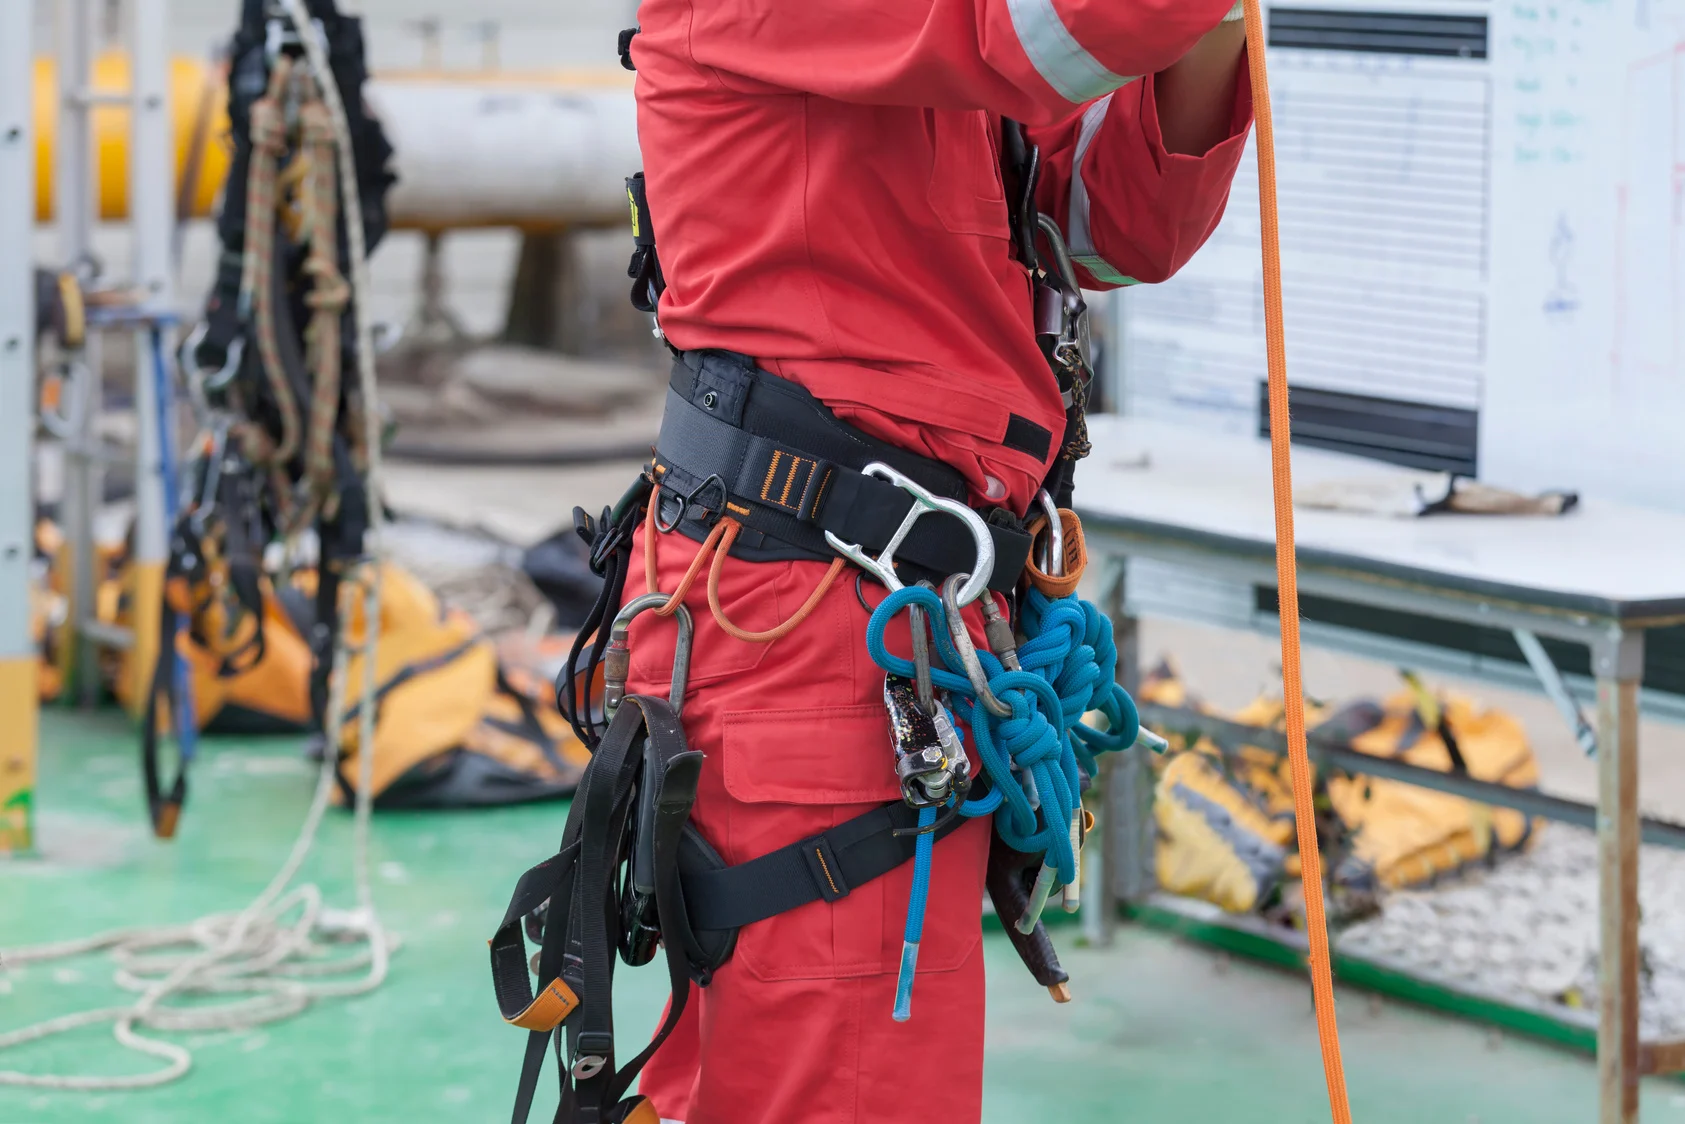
column 690, row 497
column 924, row 503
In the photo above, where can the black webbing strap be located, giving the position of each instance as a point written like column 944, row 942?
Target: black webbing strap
column 648, row 283
column 740, row 441
column 820, row 868
column 581, row 883
column 163, row 800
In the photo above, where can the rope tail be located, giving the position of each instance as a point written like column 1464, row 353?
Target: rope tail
column 915, row 916
column 1310, row 861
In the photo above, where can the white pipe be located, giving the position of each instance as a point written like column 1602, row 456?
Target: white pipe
column 151, row 225
column 492, row 154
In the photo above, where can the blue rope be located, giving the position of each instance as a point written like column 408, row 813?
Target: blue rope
column 1069, row 667
column 915, row 916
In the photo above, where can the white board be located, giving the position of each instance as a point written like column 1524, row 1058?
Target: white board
column 1501, row 234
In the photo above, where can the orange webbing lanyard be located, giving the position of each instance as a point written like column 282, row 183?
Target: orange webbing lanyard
column 1287, row 581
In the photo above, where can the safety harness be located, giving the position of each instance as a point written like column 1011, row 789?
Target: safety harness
column 274, row 336
column 1045, row 675
column 753, row 466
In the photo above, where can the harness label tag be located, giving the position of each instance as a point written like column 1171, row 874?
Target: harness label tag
column 549, row 1010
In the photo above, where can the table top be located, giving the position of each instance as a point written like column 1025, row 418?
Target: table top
column 1213, row 490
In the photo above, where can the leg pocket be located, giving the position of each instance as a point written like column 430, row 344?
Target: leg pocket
column 794, row 773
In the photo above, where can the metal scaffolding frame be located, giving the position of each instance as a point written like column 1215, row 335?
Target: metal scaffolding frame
column 141, row 305
column 18, row 675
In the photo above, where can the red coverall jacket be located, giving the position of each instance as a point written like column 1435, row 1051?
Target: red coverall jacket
column 824, row 181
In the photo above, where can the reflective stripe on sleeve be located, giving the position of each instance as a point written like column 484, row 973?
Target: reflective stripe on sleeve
column 1077, row 230
column 1057, row 56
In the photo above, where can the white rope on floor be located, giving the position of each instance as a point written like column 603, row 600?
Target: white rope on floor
column 277, row 955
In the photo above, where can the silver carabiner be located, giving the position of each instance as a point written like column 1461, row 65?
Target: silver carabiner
column 968, row 650
column 1053, row 557
column 188, row 360
column 1074, row 349
column 924, row 502
column 617, row 660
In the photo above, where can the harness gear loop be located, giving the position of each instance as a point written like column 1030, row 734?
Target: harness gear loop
column 778, row 631
column 717, row 545
column 1287, row 581
column 682, row 590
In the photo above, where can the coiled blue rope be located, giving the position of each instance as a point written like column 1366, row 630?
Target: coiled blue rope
column 1068, row 668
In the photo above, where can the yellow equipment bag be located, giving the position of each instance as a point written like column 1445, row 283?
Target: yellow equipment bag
column 1225, row 815
column 1410, row 835
column 454, row 727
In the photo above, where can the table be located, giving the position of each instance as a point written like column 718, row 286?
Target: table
column 1600, row 576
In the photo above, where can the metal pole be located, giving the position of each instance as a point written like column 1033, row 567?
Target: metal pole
column 73, row 215
column 18, row 673
column 1126, row 825
column 1618, row 661
column 151, row 222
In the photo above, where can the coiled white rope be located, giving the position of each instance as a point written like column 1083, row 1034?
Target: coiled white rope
column 276, row 954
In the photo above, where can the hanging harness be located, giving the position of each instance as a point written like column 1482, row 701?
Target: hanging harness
column 274, row 336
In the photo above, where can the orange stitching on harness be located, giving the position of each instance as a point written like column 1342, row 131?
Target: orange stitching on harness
column 820, row 855
column 740, row 510
column 790, row 478
column 817, row 496
column 766, row 487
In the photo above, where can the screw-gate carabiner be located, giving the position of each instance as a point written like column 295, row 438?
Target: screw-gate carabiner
column 1073, row 349
column 617, row 660
column 924, row 502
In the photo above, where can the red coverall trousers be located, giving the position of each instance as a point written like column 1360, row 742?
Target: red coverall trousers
column 796, row 1026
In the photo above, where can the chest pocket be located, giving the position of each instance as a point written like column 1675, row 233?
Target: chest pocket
column 965, row 189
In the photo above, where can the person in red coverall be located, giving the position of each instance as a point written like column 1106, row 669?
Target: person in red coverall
column 826, row 182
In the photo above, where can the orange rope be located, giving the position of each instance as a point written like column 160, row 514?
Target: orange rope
column 702, row 552
column 1292, row 677
column 718, row 543
column 770, row 634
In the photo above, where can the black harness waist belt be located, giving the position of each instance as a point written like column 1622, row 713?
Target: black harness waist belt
column 739, row 441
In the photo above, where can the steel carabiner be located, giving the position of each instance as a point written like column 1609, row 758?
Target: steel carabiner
column 968, row 651
column 1053, row 556
column 617, row 660
column 924, row 502
column 1073, row 350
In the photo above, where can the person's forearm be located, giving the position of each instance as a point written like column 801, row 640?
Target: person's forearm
column 1196, row 93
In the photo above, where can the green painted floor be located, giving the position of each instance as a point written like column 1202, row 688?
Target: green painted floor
column 1161, row 1032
